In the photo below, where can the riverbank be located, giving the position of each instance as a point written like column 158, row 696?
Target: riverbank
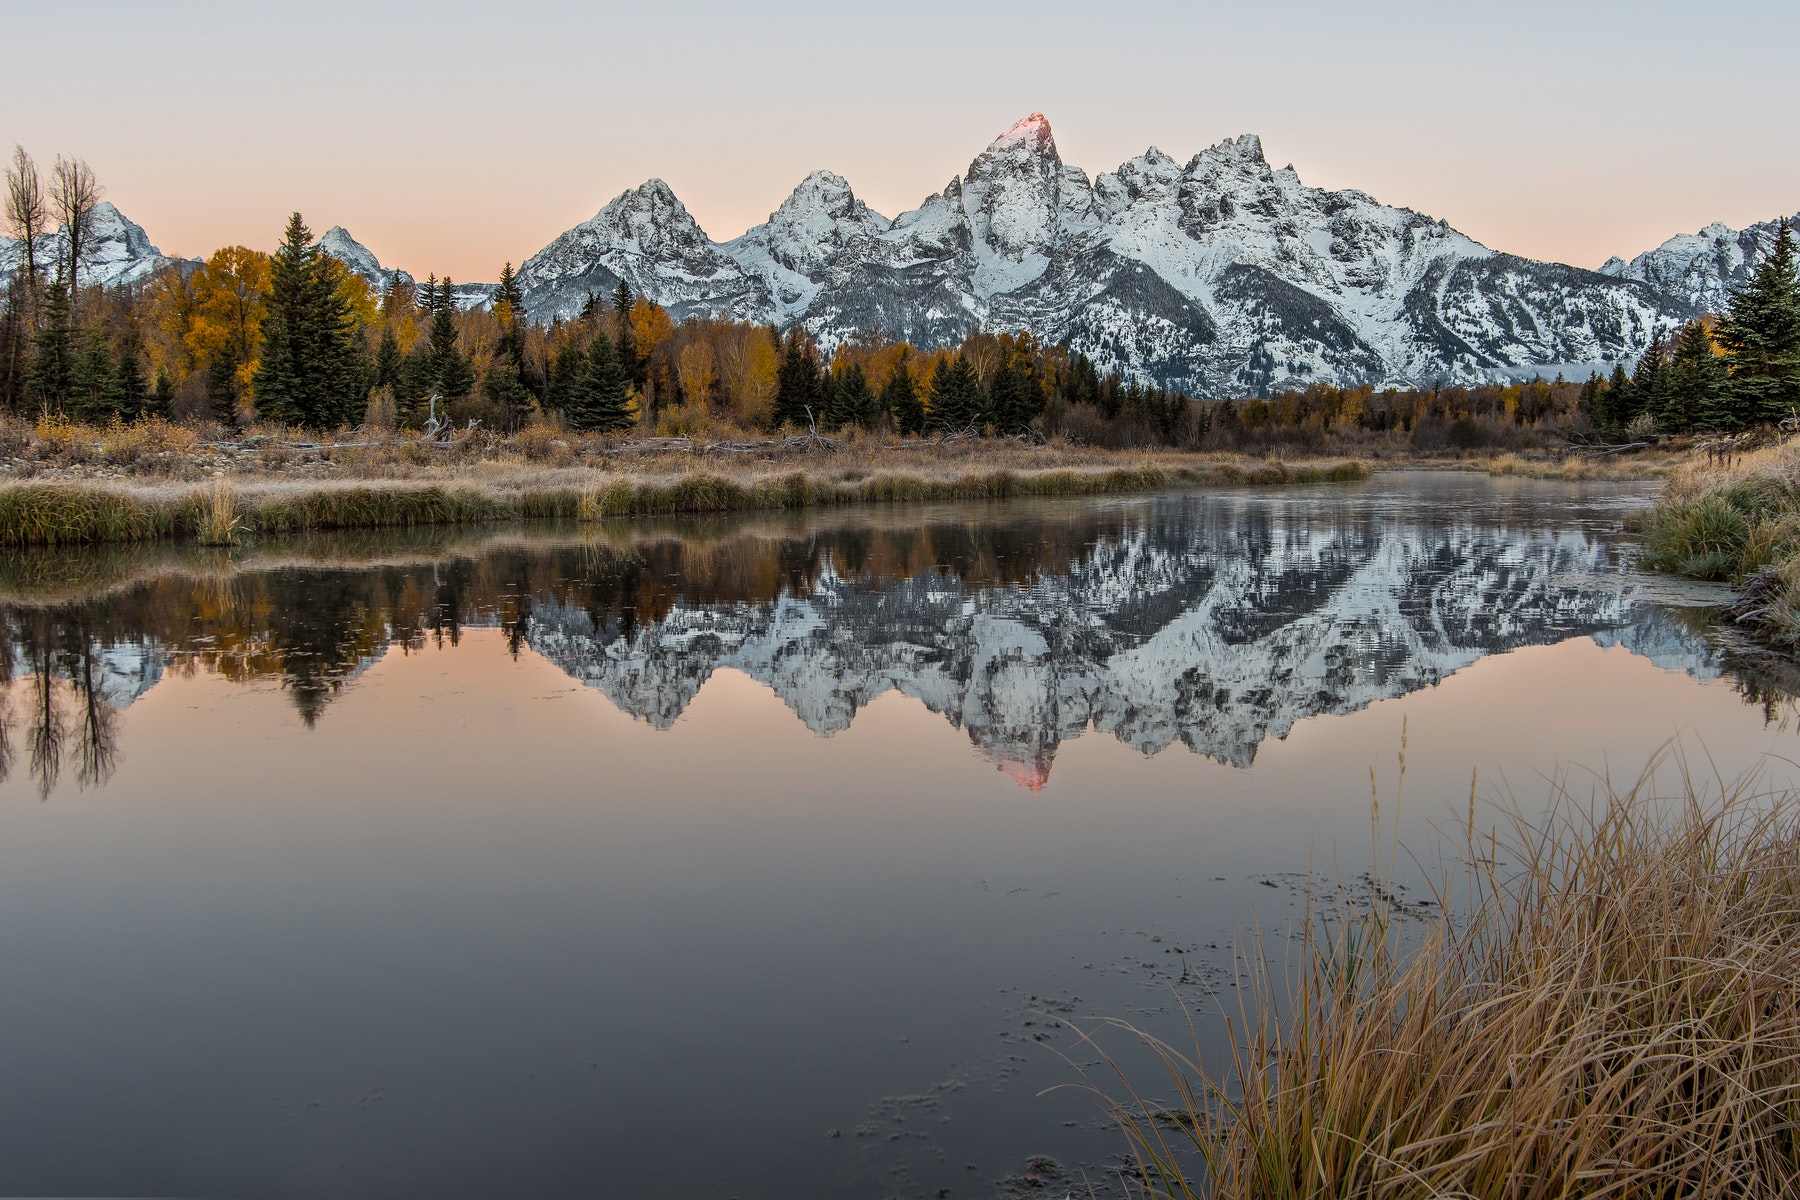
column 1737, row 521
column 34, row 513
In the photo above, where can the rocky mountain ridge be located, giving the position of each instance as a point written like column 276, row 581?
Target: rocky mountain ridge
column 1222, row 275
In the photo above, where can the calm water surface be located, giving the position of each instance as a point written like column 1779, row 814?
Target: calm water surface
column 755, row 857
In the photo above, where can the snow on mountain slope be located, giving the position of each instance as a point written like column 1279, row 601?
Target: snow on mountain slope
column 361, row 260
column 120, row 253
column 338, row 243
column 1222, row 275
column 1701, row 268
column 647, row 238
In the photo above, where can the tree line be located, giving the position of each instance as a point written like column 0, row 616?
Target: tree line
column 296, row 338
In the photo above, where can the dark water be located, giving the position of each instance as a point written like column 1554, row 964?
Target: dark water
column 757, row 857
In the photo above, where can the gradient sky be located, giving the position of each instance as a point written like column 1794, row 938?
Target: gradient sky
column 451, row 136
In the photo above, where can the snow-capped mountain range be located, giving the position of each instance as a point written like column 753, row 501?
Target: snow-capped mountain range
column 1222, row 275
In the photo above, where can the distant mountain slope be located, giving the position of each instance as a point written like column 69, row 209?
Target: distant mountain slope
column 120, row 253
column 1701, row 269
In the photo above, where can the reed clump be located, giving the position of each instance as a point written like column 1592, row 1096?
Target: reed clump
column 1737, row 521
column 217, row 521
column 1613, row 1013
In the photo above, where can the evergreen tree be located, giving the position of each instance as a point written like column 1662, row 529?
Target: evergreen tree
column 900, row 400
column 827, row 412
column 1615, row 401
column 95, row 374
column 857, row 403
column 604, row 403
column 1082, row 384
column 1649, row 385
column 1760, row 334
column 503, row 389
column 957, row 402
column 626, row 345
column 222, row 386
column 453, row 377
column 131, row 391
column 161, row 401
column 418, row 380
column 311, row 372
column 1696, row 381
column 1015, row 397
column 51, row 380
column 1591, row 404
column 388, row 359
column 796, row 381
column 509, row 295
column 568, row 380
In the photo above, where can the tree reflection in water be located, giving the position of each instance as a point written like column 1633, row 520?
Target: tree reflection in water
column 1217, row 623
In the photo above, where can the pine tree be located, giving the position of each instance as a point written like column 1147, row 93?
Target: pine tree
column 161, row 401
column 311, row 372
column 1591, row 404
column 509, row 300
column 91, row 391
column 828, row 412
column 131, row 391
column 1696, row 380
column 604, row 403
column 1760, row 335
column 503, row 389
column 856, row 400
column 796, row 381
column 568, row 378
column 900, row 400
column 957, row 402
column 222, row 386
column 418, row 380
column 388, row 359
column 51, row 380
column 453, row 377
column 1015, row 397
column 1082, row 383
column 626, row 345
column 1649, row 386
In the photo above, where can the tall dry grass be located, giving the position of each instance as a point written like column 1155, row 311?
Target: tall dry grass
column 1737, row 521
column 38, row 513
column 1613, row 1013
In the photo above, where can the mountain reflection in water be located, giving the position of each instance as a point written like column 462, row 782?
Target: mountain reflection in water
column 1215, row 622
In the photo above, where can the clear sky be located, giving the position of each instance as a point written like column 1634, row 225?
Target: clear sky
column 451, row 136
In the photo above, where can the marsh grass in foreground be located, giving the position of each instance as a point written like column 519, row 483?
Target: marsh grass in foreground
column 34, row 513
column 1614, row 1013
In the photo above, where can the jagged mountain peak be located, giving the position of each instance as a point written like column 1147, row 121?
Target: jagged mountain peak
column 1030, row 132
column 828, row 195
column 339, row 244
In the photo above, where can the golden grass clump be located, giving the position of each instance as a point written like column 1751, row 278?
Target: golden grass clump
column 151, row 443
column 218, row 520
column 1615, row 1012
